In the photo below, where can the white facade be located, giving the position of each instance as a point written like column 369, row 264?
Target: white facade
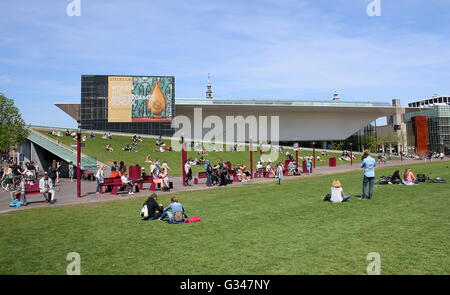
column 305, row 122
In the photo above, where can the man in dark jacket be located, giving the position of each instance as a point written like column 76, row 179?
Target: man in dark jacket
column 151, row 209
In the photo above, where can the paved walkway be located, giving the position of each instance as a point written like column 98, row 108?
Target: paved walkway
column 66, row 191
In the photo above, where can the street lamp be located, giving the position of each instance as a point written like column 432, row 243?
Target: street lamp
column 314, row 154
column 79, row 160
column 251, row 157
column 183, row 159
column 296, row 147
column 351, row 153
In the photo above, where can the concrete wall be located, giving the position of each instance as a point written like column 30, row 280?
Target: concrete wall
column 303, row 124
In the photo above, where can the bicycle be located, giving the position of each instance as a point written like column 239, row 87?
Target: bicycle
column 7, row 184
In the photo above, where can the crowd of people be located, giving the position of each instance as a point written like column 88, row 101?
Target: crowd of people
column 15, row 177
column 220, row 173
column 159, row 172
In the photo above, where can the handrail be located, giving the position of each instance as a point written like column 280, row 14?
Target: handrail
column 65, row 147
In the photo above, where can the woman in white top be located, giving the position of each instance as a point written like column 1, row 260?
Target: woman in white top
column 99, row 177
column 337, row 193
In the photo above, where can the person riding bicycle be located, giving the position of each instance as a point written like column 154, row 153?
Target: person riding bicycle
column 7, row 178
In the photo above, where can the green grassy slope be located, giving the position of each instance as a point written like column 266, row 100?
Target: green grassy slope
column 250, row 229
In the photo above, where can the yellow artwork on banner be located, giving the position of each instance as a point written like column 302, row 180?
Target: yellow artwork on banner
column 120, row 98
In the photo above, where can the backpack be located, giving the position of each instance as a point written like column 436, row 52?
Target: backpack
column 15, row 203
column 209, row 169
column 422, row 177
column 144, row 212
column 178, row 216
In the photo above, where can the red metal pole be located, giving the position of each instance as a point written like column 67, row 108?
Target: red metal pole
column 183, row 161
column 351, row 155
column 79, row 163
column 251, row 159
column 314, row 155
column 296, row 159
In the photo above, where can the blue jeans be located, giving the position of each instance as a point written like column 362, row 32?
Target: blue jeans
column 166, row 213
column 209, row 179
column 170, row 215
column 280, row 178
column 344, row 199
column 98, row 184
column 370, row 181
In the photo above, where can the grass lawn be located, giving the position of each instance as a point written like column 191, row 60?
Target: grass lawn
column 250, row 229
column 96, row 148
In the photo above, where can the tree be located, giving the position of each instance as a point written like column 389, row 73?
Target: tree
column 370, row 142
column 12, row 127
column 337, row 145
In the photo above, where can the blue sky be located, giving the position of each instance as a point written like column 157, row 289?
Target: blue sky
column 302, row 49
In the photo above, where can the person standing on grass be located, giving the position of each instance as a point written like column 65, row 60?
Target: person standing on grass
column 368, row 163
column 280, row 171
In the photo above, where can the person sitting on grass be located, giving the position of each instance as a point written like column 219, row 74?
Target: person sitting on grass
column 109, row 148
column 337, row 193
column 151, row 210
column 175, row 212
column 130, row 149
column 409, row 178
column 395, row 178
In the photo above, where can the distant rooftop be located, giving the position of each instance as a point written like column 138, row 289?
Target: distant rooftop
column 278, row 102
column 427, row 102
